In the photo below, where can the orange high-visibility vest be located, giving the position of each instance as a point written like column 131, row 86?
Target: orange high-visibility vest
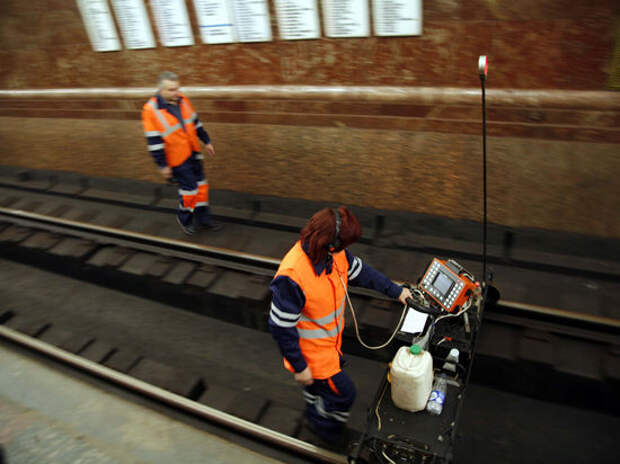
column 322, row 317
column 178, row 143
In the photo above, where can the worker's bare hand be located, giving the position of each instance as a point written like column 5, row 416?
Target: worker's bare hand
column 210, row 149
column 304, row 377
column 406, row 293
column 166, row 172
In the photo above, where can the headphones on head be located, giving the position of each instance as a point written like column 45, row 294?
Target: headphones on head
column 336, row 243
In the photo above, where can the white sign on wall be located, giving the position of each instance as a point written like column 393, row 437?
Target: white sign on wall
column 134, row 23
column 298, row 19
column 99, row 25
column 346, row 18
column 215, row 20
column 172, row 23
column 252, row 20
column 397, row 17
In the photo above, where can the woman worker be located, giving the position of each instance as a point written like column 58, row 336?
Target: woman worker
column 307, row 314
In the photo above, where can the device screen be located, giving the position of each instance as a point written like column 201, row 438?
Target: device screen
column 442, row 283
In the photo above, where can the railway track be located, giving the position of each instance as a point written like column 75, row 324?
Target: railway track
column 532, row 268
column 205, row 279
column 171, row 374
column 169, row 382
column 531, row 345
column 188, row 402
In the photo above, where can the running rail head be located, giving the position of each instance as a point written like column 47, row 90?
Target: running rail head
column 137, row 236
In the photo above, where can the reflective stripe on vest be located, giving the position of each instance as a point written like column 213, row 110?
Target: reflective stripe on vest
column 192, row 116
column 321, row 332
column 168, row 129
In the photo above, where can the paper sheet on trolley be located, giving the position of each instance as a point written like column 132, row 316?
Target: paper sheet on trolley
column 414, row 321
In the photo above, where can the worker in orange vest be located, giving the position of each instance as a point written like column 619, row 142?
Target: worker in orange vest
column 306, row 317
column 172, row 129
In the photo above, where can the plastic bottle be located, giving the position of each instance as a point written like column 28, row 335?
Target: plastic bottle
column 449, row 367
column 411, row 378
column 438, row 395
column 440, row 387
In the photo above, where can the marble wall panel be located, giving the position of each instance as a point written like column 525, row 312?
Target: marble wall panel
column 74, row 114
column 72, row 104
column 309, row 107
column 40, row 24
column 227, row 109
column 524, row 10
column 426, row 61
column 445, row 10
column 35, row 8
column 531, row 44
column 587, row 49
column 521, row 119
column 475, row 38
column 512, row 64
column 555, row 185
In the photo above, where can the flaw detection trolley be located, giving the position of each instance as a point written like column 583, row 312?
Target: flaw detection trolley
column 454, row 303
column 452, row 300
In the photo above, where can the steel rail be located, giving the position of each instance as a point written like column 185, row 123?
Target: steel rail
column 432, row 249
column 559, row 313
column 224, row 257
column 170, row 398
column 136, row 239
column 593, row 332
column 237, row 259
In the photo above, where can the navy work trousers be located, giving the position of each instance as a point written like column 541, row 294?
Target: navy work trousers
column 328, row 402
column 193, row 191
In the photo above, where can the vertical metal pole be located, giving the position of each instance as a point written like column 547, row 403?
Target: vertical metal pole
column 482, row 71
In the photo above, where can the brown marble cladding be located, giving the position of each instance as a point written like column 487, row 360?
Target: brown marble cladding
column 530, row 44
column 558, row 185
column 588, row 122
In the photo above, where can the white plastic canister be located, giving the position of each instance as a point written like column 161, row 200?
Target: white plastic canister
column 411, row 377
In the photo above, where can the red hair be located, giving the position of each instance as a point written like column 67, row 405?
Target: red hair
column 321, row 231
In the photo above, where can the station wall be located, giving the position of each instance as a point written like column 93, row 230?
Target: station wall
column 531, row 44
column 390, row 123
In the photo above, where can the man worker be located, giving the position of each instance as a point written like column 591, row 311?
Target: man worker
column 307, row 314
column 172, row 130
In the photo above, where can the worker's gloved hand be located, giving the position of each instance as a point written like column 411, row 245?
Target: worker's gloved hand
column 404, row 295
column 304, row 377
